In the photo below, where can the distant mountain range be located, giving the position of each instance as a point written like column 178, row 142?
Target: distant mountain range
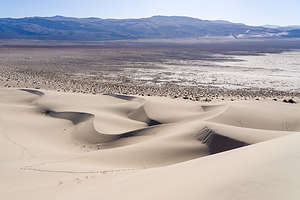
column 156, row 27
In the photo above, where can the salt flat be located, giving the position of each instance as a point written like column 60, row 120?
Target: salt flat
column 279, row 71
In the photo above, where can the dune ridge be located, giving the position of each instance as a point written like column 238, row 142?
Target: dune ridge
column 70, row 145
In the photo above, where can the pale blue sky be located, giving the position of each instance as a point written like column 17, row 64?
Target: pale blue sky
column 252, row 12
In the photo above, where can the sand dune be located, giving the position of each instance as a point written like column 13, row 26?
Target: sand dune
column 63, row 145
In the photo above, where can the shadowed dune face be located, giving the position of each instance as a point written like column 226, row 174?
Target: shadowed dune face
column 75, row 117
column 66, row 135
column 36, row 92
column 218, row 143
column 141, row 115
column 124, row 97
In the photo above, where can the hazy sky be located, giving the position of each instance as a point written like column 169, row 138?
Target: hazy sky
column 252, row 12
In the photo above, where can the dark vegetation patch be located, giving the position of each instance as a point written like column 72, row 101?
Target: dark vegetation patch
column 291, row 101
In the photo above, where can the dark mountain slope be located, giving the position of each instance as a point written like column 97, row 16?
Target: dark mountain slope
column 66, row 28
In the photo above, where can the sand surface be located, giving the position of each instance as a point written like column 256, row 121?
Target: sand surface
column 79, row 146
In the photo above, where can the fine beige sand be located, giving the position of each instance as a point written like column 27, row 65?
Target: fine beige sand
column 78, row 146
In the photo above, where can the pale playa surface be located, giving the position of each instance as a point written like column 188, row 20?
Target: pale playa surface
column 74, row 146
